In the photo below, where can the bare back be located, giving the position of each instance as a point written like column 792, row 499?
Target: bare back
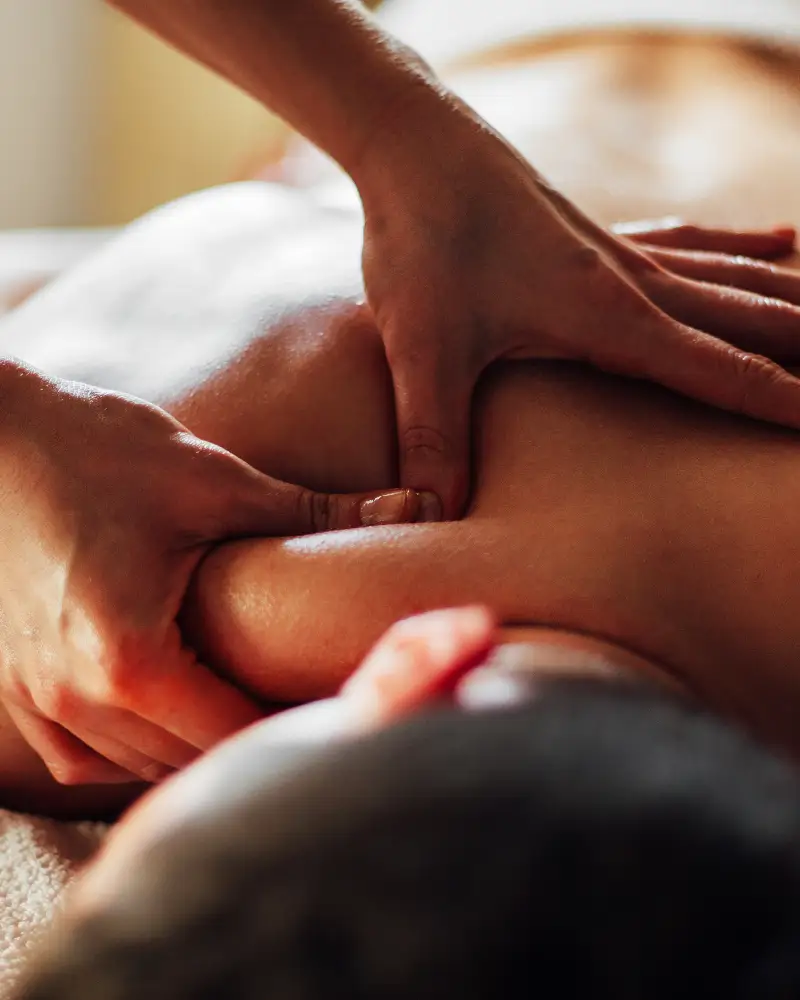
column 600, row 505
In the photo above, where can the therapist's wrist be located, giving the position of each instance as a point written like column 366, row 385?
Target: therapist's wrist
column 398, row 130
column 414, row 150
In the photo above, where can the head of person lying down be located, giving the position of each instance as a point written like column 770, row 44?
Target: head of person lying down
column 536, row 834
column 601, row 508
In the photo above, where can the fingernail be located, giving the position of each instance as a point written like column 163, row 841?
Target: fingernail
column 389, row 508
column 430, row 507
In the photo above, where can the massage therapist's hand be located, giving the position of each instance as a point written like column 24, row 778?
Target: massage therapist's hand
column 470, row 257
column 108, row 504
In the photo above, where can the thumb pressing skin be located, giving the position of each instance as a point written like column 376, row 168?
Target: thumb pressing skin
column 270, row 507
column 394, row 507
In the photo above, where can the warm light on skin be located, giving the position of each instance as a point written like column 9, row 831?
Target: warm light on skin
column 409, row 668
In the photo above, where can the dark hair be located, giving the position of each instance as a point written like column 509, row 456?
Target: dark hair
column 604, row 842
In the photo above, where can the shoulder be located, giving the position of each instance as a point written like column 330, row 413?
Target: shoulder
column 194, row 274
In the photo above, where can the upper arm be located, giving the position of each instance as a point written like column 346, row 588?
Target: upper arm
column 289, row 619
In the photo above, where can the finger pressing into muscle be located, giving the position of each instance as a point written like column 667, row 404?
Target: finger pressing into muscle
column 339, row 511
column 749, row 321
column 249, row 503
column 68, row 759
column 765, row 244
column 433, row 403
column 737, row 272
column 704, row 368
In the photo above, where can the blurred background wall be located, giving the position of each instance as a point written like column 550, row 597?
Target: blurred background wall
column 99, row 121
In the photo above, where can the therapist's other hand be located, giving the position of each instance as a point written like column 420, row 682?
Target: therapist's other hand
column 108, row 506
column 470, row 256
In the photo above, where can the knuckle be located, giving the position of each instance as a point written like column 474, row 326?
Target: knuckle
column 644, row 267
column 115, row 686
column 316, row 509
column 747, row 365
column 120, row 674
column 587, row 259
column 71, row 770
column 424, row 439
column 686, row 234
column 118, row 687
column 751, row 373
column 154, row 772
column 321, row 511
column 55, row 702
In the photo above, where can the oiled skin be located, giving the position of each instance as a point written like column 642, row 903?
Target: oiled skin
column 599, row 506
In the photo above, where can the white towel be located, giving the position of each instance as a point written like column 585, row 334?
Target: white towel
column 38, row 860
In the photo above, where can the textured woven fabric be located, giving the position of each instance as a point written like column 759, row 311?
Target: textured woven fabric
column 38, row 860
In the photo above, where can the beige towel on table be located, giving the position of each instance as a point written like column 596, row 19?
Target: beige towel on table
column 38, row 859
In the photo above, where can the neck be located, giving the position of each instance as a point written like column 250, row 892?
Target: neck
column 660, row 525
column 721, row 551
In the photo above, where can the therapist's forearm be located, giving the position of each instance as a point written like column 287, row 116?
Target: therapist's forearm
column 324, row 66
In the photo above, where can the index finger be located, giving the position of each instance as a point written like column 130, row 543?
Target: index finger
column 705, row 368
column 757, row 243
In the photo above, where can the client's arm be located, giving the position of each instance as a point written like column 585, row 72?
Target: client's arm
column 290, row 619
